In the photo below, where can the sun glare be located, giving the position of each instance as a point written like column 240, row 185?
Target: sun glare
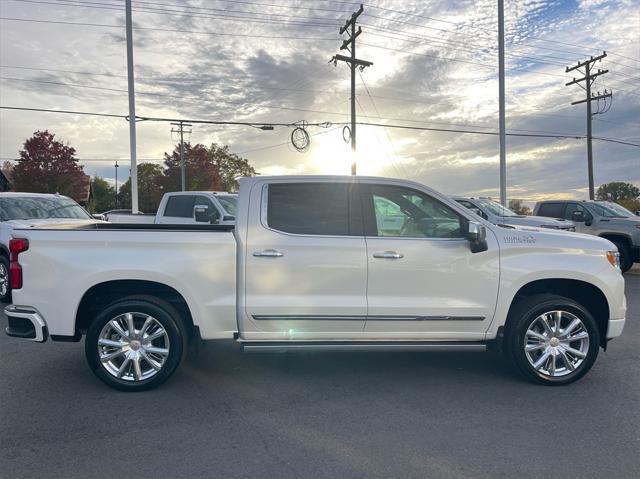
column 333, row 156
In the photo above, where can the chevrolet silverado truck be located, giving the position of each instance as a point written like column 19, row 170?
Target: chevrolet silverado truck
column 601, row 218
column 319, row 263
column 185, row 207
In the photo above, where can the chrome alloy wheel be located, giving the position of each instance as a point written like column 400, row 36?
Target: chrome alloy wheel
column 556, row 343
column 4, row 280
column 133, row 346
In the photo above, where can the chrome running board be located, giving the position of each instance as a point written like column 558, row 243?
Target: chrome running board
column 345, row 346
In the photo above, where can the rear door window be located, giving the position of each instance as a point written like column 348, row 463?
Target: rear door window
column 551, row 210
column 309, row 208
column 180, row 206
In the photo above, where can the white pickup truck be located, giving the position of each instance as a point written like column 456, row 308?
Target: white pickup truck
column 309, row 265
column 185, row 207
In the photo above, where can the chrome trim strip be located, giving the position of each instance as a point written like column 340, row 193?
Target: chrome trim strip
column 311, row 317
column 363, row 346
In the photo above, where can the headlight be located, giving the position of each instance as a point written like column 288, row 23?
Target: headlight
column 614, row 258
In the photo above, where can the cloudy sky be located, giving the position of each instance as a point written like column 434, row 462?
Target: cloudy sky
column 435, row 66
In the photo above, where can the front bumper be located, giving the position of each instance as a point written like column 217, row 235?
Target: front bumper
column 26, row 323
column 615, row 327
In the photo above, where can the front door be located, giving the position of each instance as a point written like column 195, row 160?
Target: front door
column 306, row 264
column 423, row 280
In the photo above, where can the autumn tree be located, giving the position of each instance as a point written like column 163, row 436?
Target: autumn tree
column 519, row 208
column 201, row 171
column 150, row 190
column 231, row 166
column 618, row 190
column 48, row 166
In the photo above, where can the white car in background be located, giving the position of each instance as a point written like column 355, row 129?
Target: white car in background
column 185, row 207
column 24, row 210
column 497, row 214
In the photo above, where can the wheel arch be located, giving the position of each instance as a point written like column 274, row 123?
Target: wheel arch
column 101, row 294
column 586, row 294
column 617, row 236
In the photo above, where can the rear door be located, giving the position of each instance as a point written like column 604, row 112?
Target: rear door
column 423, row 279
column 306, row 264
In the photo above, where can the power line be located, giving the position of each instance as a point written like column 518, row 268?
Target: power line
column 322, row 125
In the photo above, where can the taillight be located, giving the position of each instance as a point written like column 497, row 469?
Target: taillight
column 16, row 246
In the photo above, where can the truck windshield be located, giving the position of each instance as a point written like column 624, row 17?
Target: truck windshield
column 619, row 209
column 610, row 210
column 229, row 203
column 30, row 208
column 495, row 208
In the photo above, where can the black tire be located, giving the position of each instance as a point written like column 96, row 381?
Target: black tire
column 626, row 260
column 522, row 317
column 4, row 270
column 163, row 313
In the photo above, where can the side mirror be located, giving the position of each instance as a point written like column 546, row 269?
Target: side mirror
column 201, row 213
column 638, row 213
column 578, row 217
column 477, row 236
column 228, row 218
column 99, row 216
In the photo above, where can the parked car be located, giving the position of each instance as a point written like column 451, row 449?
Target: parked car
column 497, row 214
column 311, row 265
column 601, row 218
column 185, row 207
column 18, row 210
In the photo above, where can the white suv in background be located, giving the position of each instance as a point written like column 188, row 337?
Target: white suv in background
column 497, row 214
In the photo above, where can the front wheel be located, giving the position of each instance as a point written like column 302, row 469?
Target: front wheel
column 135, row 343
column 5, row 286
column 552, row 339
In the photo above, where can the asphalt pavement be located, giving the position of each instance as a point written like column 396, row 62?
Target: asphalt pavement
column 228, row 414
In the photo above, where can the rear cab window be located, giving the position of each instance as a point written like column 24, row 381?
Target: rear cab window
column 180, row 206
column 551, row 210
column 324, row 209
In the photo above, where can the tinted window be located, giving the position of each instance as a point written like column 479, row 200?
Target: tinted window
column 214, row 214
column 309, row 208
column 552, row 210
column 180, row 206
column 571, row 207
column 404, row 212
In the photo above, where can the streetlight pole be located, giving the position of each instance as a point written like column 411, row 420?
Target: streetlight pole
column 117, row 184
column 132, row 109
column 502, row 120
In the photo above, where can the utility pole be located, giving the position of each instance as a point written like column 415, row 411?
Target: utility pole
column 589, row 78
column 132, row 109
column 117, row 184
column 353, row 62
column 180, row 129
column 502, row 114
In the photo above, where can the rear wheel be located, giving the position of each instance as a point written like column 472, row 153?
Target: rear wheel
column 136, row 343
column 626, row 261
column 552, row 339
column 5, row 287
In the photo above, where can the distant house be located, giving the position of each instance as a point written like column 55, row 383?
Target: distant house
column 83, row 197
column 86, row 191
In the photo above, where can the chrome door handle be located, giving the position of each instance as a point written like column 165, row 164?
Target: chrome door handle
column 388, row 255
column 268, row 253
